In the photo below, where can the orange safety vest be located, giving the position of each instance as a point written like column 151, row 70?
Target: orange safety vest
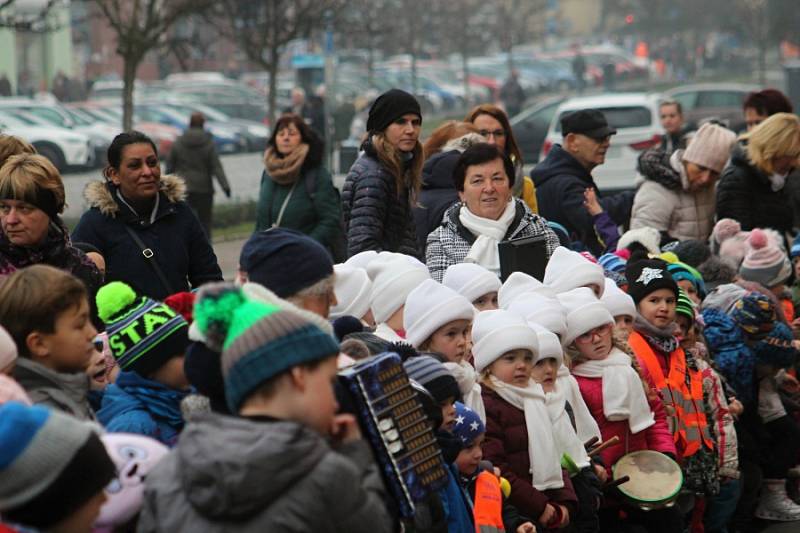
column 690, row 428
column 488, row 506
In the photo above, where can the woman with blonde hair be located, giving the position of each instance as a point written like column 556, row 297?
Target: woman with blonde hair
column 384, row 182
column 751, row 188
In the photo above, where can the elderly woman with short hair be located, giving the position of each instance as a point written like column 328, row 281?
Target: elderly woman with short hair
column 487, row 214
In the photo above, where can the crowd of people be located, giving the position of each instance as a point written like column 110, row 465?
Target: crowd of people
column 141, row 392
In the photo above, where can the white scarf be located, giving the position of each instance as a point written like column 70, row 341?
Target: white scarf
column 388, row 334
column 489, row 233
column 585, row 424
column 544, row 455
column 624, row 397
column 567, row 440
column 467, row 379
column 777, row 181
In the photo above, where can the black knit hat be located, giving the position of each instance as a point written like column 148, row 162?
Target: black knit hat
column 390, row 106
column 431, row 374
column 692, row 252
column 646, row 276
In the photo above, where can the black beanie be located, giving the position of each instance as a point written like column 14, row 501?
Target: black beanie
column 646, row 276
column 390, row 106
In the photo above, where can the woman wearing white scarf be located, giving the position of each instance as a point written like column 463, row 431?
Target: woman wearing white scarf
column 486, row 215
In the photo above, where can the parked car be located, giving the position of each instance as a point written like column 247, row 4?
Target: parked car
column 62, row 147
column 530, row 127
column 226, row 138
column 634, row 115
column 255, row 134
column 718, row 101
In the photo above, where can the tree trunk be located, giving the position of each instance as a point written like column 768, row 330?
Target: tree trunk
column 130, row 66
column 273, row 85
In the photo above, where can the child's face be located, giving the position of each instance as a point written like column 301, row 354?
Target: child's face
column 171, row 374
column 450, row 340
column 658, row 308
column 82, row 520
column 624, row 324
column 96, row 370
column 514, row 367
column 596, row 343
column 690, row 290
column 544, row 373
column 448, row 414
column 70, row 347
column 317, row 396
column 687, row 330
column 487, row 302
column 470, row 456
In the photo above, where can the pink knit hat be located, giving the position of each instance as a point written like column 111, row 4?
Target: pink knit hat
column 724, row 229
column 10, row 391
column 710, row 147
column 765, row 262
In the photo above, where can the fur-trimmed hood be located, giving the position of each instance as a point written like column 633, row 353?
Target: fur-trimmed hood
column 99, row 194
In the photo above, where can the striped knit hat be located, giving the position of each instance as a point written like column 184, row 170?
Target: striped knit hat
column 431, row 374
column 684, row 305
column 50, row 465
column 612, row 262
column 143, row 334
column 258, row 340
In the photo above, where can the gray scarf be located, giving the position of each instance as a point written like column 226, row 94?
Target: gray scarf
column 662, row 338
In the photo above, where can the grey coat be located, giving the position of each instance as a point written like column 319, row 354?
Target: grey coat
column 57, row 390
column 194, row 158
column 235, row 474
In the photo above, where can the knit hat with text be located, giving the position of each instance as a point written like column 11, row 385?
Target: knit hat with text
column 143, row 334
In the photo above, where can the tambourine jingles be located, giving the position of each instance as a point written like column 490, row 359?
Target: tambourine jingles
column 655, row 479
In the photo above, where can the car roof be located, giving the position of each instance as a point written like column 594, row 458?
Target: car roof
column 609, row 100
column 744, row 87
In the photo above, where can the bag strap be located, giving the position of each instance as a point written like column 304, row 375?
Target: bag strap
column 277, row 223
column 148, row 256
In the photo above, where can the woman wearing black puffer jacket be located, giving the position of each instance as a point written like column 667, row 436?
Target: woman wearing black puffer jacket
column 383, row 183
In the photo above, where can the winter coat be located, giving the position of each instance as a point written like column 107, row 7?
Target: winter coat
column 438, row 193
column 257, row 475
column 664, row 202
column 449, row 244
column 194, row 158
column 134, row 404
column 506, row 446
column 178, row 241
column 657, row 437
column 560, row 182
column 314, row 207
column 376, row 216
column 456, row 504
column 61, row 391
column 734, row 359
column 744, row 194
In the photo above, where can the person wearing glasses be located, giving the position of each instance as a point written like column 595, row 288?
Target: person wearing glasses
column 565, row 175
column 492, row 123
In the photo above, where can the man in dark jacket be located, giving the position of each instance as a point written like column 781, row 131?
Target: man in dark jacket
column 565, row 174
column 512, row 95
column 195, row 159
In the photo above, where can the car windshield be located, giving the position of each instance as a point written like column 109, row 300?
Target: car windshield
column 620, row 117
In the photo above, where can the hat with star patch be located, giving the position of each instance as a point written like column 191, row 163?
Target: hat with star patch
column 647, row 276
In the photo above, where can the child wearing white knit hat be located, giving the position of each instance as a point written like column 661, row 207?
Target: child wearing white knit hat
column 353, row 290
column 393, row 277
column 361, row 259
column 438, row 319
column 621, row 306
column 517, row 284
column 505, row 350
column 544, row 310
column 567, row 270
column 475, row 283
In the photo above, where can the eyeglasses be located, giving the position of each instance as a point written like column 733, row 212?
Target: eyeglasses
column 600, row 332
column 493, row 133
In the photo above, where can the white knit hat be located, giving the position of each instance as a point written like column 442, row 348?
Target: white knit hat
column 393, row 277
column 353, row 289
column 497, row 332
column 545, row 311
column 617, row 301
column 361, row 259
column 8, row 349
column 650, row 238
column 470, row 280
column 568, row 270
column 584, row 313
column 517, row 284
column 549, row 344
column 710, row 147
column 430, row 306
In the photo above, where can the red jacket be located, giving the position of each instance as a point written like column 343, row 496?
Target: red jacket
column 506, row 446
column 657, row 437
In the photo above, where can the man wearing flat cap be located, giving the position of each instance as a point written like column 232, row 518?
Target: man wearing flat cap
column 565, row 175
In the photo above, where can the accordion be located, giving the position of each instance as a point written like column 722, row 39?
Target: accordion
column 397, row 428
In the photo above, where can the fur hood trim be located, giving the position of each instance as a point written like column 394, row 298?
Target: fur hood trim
column 97, row 194
column 462, row 143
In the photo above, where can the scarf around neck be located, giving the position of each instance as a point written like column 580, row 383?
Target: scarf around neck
column 284, row 170
column 662, row 338
column 467, row 379
column 566, row 439
column 489, row 233
column 624, row 397
column 585, row 424
column 543, row 453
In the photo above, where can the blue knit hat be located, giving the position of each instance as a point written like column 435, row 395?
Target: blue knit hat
column 682, row 271
column 612, row 263
column 755, row 314
column 50, row 465
column 431, row 374
column 776, row 348
column 285, row 261
column 795, row 250
column 468, row 426
column 258, row 340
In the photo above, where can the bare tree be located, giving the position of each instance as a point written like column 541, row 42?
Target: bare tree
column 516, row 22
column 142, row 26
